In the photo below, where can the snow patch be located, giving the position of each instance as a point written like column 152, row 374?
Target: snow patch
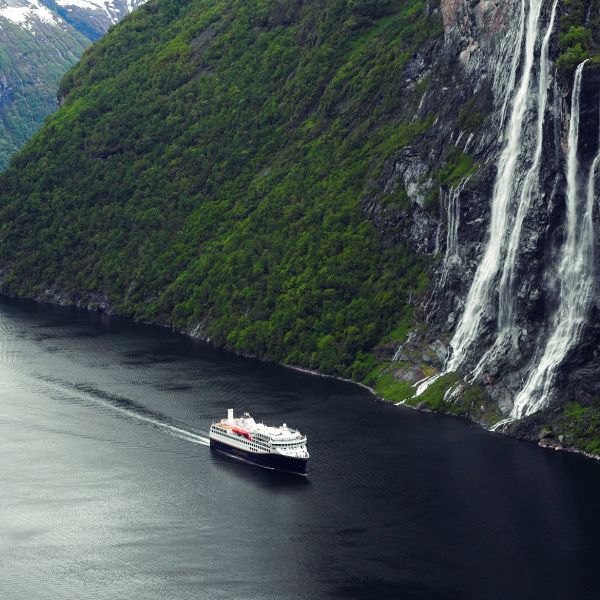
column 109, row 6
column 26, row 13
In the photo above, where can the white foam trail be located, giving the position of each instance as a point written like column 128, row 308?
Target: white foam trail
column 506, row 336
column 575, row 272
column 478, row 299
column 173, row 430
column 177, row 432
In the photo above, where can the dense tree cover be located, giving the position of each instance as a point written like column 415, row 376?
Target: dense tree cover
column 579, row 34
column 206, row 169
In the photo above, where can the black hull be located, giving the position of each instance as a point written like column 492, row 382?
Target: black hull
column 267, row 461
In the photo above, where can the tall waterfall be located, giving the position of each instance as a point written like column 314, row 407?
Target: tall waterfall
column 506, row 296
column 516, row 186
column 514, row 64
column 480, row 298
column 575, row 272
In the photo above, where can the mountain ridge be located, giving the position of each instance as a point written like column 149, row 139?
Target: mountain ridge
column 41, row 40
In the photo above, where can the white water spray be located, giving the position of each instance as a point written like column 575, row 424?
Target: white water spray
column 478, row 299
column 505, row 293
column 575, row 272
column 514, row 65
column 506, row 336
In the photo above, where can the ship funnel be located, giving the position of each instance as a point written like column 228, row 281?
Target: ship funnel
column 230, row 414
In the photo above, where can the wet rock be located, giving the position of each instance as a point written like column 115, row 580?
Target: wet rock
column 440, row 350
column 386, row 352
column 466, row 83
column 410, row 373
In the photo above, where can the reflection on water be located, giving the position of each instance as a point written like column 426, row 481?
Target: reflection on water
column 110, row 491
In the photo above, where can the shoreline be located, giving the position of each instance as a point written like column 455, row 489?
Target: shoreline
column 195, row 334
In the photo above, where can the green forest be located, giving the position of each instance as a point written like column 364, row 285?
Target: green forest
column 579, row 34
column 206, row 170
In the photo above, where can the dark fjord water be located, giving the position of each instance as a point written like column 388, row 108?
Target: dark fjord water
column 109, row 491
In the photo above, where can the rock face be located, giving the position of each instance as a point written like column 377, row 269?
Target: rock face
column 39, row 41
column 447, row 181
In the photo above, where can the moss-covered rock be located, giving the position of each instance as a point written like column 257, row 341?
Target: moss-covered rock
column 572, row 426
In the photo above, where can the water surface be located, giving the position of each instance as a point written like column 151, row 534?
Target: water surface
column 110, row 491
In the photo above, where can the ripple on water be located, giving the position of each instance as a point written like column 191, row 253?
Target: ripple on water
column 108, row 492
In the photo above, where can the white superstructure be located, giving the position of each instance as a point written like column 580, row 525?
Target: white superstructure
column 273, row 447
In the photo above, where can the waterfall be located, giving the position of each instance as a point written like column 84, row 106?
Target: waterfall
column 479, row 296
column 451, row 255
column 515, row 188
column 575, row 271
column 453, row 216
column 514, row 65
column 506, row 296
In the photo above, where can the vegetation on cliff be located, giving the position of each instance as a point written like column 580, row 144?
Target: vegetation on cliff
column 32, row 61
column 572, row 426
column 206, row 170
column 579, row 34
column 210, row 168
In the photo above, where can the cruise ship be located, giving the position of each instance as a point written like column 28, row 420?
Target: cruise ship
column 278, row 448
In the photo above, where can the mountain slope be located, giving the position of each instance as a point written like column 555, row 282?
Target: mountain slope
column 207, row 167
column 92, row 18
column 325, row 184
column 39, row 41
column 36, row 48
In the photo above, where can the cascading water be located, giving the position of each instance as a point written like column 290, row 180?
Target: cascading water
column 506, row 297
column 505, row 293
column 514, row 65
column 516, row 186
column 451, row 255
column 504, row 236
column 453, row 212
column 575, row 272
column 480, row 295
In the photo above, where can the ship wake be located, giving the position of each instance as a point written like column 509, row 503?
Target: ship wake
column 128, row 408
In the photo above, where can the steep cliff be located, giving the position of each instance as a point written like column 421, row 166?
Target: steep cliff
column 402, row 192
column 513, row 316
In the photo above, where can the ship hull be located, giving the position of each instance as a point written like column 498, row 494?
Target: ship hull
column 267, row 461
